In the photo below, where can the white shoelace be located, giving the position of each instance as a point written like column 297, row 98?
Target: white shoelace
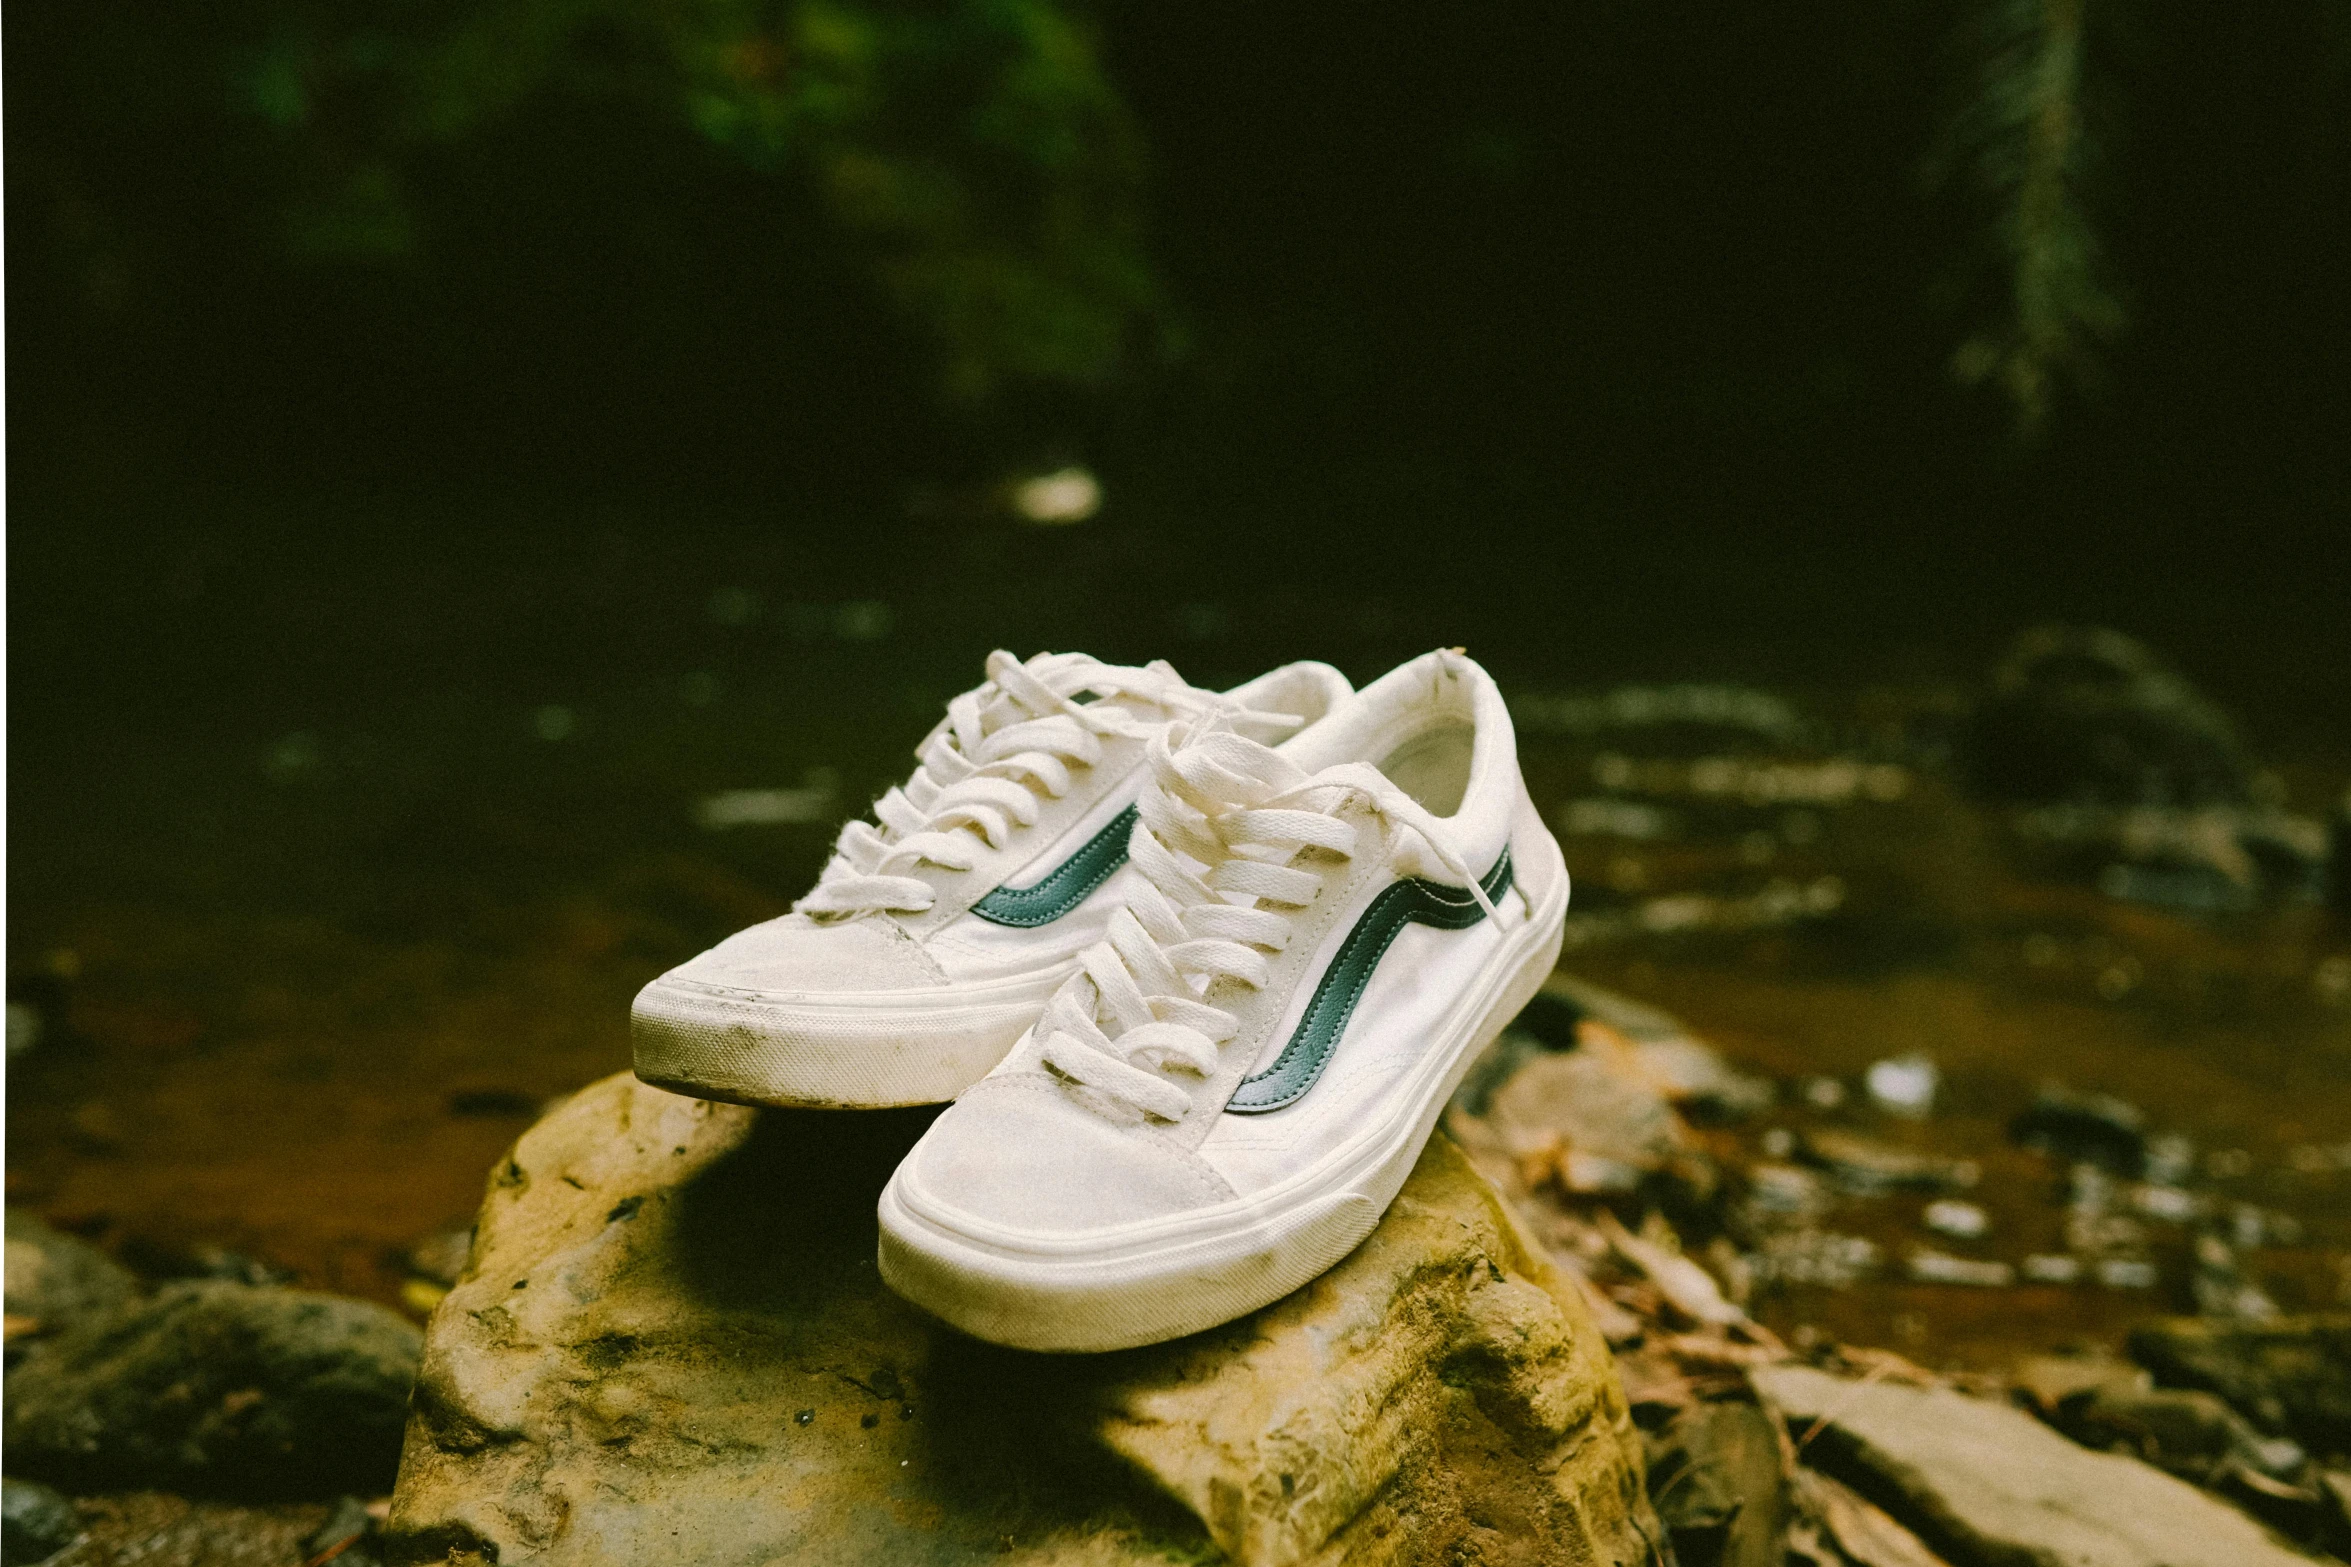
column 1222, row 822
column 1002, row 748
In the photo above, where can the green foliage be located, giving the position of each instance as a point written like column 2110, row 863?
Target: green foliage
column 2021, row 145
column 972, row 150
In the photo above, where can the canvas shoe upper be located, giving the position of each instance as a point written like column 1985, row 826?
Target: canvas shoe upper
column 1316, row 942
column 938, row 930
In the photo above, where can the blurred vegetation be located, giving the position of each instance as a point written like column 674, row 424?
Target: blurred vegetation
column 971, row 150
column 2044, row 101
column 1506, row 181
column 2022, row 149
column 970, row 154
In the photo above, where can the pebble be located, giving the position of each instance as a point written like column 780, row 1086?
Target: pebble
column 1868, row 1167
column 1715, row 1471
column 1960, row 1220
column 1934, row 1267
column 2084, row 1128
column 1905, row 1085
column 440, row 1257
column 1592, row 1114
column 1817, row 1257
column 24, row 1028
column 2053, row 1381
column 348, row 1537
column 1696, row 1078
column 2168, row 1203
column 2222, row 1288
column 1785, row 1190
column 2053, row 1268
column 2171, row 1159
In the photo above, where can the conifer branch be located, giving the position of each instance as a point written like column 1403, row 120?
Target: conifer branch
column 2022, row 142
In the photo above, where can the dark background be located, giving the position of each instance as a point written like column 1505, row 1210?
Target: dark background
column 1609, row 323
column 1611, row 341
column 377, row 618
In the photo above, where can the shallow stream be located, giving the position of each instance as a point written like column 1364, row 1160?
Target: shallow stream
column 332, row 862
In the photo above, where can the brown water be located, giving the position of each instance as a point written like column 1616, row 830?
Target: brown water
column 328, row 870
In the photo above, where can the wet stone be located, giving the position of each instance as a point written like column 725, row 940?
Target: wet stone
column 1959, row 1220
column 1816, row 1257
column 1934, row 1267
column 2339, row 855
column 2290, row 1376
column 55, row 1281
column 2087, row 715
column 2193, row 1434
column 348, row 1537
column 1690, row 1073
column 2050, row 1382
column 2088, row 1128
column 1866, row 1167
column 160, row 1529
column 1715, row 1470
column 1592, row 1118
column 1904, row 1085
column 1985, row 1483
column 35, row 1523
column 440, row 1257
column 220, row 1390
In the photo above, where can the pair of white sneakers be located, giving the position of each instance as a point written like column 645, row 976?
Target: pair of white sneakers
column 1199, row 972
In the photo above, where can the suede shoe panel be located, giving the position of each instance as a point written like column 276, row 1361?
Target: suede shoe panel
column 1020, row 1154
column 794, row 954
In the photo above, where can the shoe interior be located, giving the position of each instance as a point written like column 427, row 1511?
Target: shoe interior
column 1434, row 767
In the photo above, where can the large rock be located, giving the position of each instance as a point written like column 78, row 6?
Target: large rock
column 670, row 1344
column 218, row 1389
column 2288, row 1374
column 2082, row 715
column 55, row 1281
column 1986, row 1483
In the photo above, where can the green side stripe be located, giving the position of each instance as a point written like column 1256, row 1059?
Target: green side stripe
column 1067, row 885
column 1413, row 901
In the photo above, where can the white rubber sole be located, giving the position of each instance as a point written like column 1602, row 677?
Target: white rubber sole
column 1147, row 1283
column 870, row 1052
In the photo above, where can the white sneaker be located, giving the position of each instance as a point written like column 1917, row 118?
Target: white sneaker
column 932, row 941
column 1316, row 943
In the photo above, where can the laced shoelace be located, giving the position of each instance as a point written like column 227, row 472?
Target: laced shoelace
column 1003, row 748
column 1222, row 821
